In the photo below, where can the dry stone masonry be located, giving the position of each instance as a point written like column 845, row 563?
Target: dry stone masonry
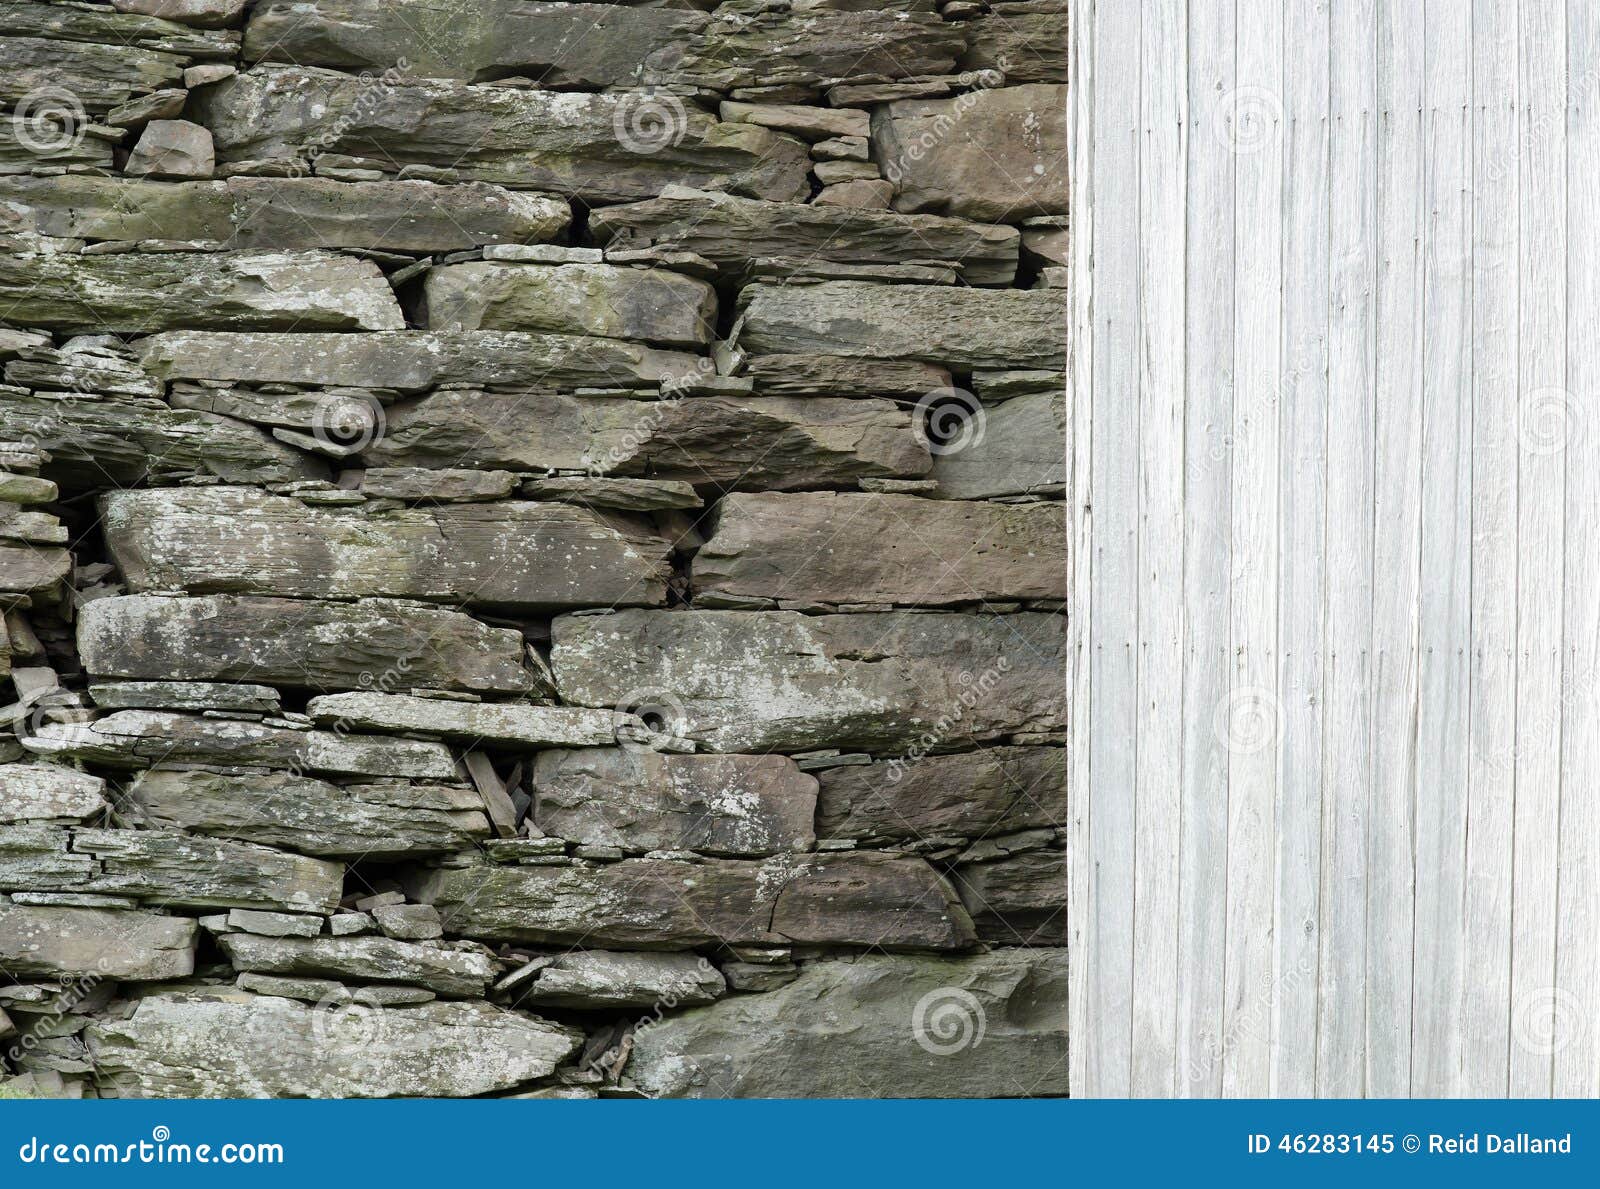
column 532, row 548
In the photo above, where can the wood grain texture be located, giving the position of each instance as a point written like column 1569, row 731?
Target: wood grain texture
column 1334, row 796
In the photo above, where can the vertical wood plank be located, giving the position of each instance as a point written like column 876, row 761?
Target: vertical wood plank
column 1347, row 699
column 1302, row 489
column 1446, row 556
column 1396, row 515
column 1486, row 937
column 1163, row 127
column 1577, row 996
column 1541, row 513
column 1251, row 718
column 1208, row 454
column 1114, row 497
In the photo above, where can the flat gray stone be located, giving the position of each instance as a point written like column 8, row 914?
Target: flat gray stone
column 407, row 360
column 1022, row 448
column 225, row 1043
column 939, row 324
column 1017, row 901
column 869, row 548
column 448, row 972
column 998, row 155
column 643, row 800
column 298, row 643
column 273, row 924
column 997, row 790
column 38, row 942
column 178, row 695
column 140, row 292
column 735, row 232
column 379, row 819
column 752, row 442
column 595, row 980
column 779, row 680
column 141, row 738
column 989, row 1026
column 165, row 867
column 521, row 556
column 94, row 439
column 588, row 45
column 862, row 898
column 49, row 792
column 652, row 305
column 506, row 724
column 562, row 142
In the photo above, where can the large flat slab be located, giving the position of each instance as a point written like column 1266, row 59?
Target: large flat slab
column 863, row 898
column 735, row 232
column 142, row 738
column 48, row 941
column 523, row 556
column 299, row 643
column 441, row 968
column 506, row 724
column 989, row 1026
column 93, row 439
column 278, row 213
column 139, row 292
column 643, row 800
column 564, row 142
column 779, row 680
column 650, row 305
column 726, row 441
column 408, row 360
column 849, row 547
column 223, row 1043
column 998, row 154
column 595, row 45
column 166, row 868
column 978, row 794
column 959, row 328
column 373, row 819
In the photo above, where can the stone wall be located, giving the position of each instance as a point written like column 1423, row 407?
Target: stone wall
column 532, row 546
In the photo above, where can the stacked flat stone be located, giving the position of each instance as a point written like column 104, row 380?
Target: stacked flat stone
column 532, row 549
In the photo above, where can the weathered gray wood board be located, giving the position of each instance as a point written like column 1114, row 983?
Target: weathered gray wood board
column 1336, row 486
